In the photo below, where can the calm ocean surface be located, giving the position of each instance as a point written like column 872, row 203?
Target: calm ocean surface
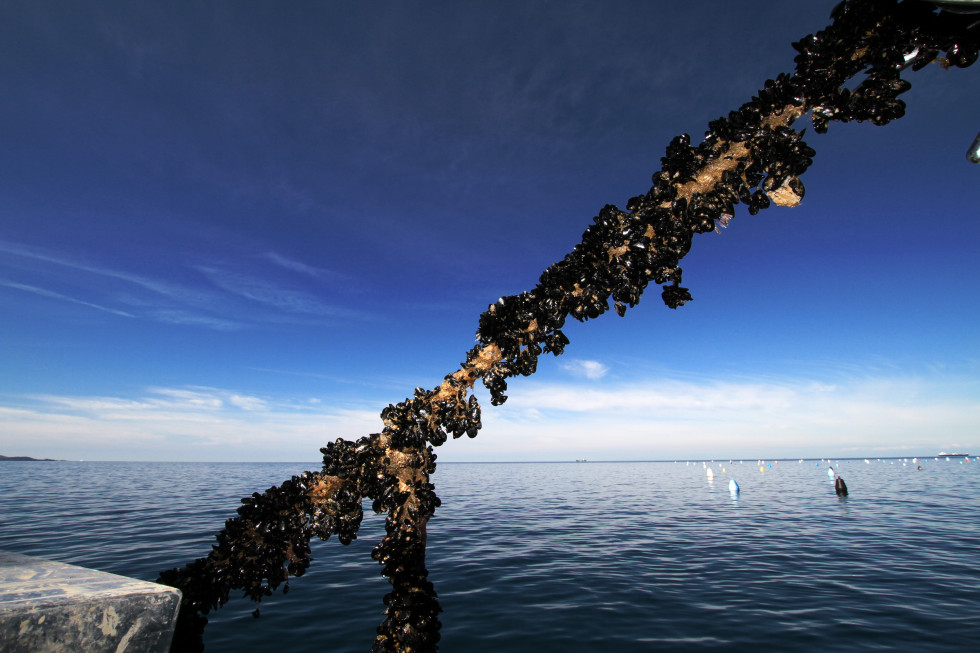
column 634, row 556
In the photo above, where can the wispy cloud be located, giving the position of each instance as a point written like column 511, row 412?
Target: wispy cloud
column 177, row 316
column 54, row 295
column 214, row 302
column 184, row 423
column 262, row 291
column 318, row 375
column 717, row 417
column 168, row 302
column 669, row 396
column 272, row 294
column 247, row 403
column 190, row 397
column 312, row 271
column 174, row 291
column 584, row 368
column 645, row 419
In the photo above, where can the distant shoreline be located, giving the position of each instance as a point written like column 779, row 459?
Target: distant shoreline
column 28, row 459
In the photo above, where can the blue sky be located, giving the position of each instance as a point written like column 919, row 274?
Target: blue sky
column 238, row 230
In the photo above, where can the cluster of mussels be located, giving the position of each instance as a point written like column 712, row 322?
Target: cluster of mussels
column 260, row 549
column 753, row 157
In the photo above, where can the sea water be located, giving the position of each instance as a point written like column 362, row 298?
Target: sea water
column 628, row 556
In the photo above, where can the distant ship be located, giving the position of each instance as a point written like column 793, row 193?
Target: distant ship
column 953, row 455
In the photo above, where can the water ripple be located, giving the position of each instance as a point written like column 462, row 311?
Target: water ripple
column 567, row 557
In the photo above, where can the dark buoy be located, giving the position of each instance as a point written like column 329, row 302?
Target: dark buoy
column 840, row 487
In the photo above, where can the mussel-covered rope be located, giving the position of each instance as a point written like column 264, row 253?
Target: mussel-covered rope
column 753, row 156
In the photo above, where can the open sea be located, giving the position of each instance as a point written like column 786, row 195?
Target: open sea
column 536, row 557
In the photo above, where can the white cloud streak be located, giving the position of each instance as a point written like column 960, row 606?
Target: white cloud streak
column 668, row 419
column 247, row 403
column 192, row 423
column 177, row 292
column 543, row 421
column 187, row 318
column 584, row 368
column 320, row 274
column 265, row 292
column 54, row 295
column 192, row 307
column 214, row 304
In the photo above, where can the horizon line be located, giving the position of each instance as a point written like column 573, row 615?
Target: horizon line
column 506, row 462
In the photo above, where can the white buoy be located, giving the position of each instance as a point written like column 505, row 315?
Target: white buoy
column 711, row 474
column 733, row 486
column 830, row 472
